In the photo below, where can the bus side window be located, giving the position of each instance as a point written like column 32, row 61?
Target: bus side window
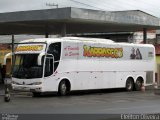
column 55, row 50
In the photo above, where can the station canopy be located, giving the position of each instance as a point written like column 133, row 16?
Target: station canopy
column 75, row 20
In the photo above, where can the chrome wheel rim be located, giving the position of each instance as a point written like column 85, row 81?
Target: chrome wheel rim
column 139, row 83
column 63, row 88
column 129, row 85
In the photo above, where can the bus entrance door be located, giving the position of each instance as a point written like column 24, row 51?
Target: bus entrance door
column 49, row 65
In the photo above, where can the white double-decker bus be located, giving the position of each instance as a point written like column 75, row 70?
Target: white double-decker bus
column 70, row 63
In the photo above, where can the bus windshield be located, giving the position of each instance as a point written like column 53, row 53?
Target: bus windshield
column 26, row 66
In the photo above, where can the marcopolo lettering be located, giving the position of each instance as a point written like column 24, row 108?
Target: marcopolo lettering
column 30, row 48
column 102, row 52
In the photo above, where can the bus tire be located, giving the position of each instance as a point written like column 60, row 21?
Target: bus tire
column 129, row 84
column 63, row 88
column 138, row 84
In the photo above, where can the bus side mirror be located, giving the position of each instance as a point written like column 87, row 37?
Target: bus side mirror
column 5, row 58
column 39, row 60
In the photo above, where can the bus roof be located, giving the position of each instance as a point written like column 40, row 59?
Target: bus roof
column 75, row 39
column 81, row 39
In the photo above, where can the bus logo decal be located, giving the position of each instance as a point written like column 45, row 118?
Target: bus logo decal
column 89, row 51
column 30, row 48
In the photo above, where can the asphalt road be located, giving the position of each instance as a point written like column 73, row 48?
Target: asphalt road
column 106, row 102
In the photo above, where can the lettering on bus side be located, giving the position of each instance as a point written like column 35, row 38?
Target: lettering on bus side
column 71, row 51
column 89, row 51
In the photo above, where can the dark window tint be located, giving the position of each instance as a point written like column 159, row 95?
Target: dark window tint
column 48, row 66
column 55, row 50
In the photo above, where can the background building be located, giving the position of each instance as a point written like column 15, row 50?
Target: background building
column 4, row 49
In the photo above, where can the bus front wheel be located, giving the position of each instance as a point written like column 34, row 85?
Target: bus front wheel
column 129, row 84
column 63, row 88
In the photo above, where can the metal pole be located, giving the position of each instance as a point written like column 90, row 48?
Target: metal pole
column 46, row 31
column 144, row 35
column 46, row 35
column 63, row 32
column 13, row 57
column 12, row 51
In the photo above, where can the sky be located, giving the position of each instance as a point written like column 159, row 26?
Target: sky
column 150, row 6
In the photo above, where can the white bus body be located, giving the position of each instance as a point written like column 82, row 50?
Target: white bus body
column 70, row 63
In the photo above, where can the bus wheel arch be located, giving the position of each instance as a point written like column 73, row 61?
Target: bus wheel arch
column 138, row 83
column 64, row 87
column 129, row 84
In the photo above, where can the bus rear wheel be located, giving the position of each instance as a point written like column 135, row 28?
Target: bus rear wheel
column 63, row 88
column 138, row 84
column 129, row 84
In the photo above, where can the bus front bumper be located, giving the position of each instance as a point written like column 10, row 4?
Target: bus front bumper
column 29, row 88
